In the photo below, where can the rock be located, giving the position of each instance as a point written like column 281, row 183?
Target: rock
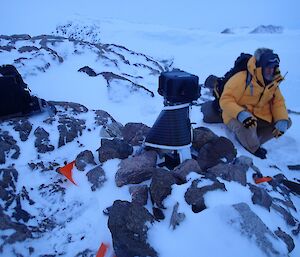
column 88, row 70
column 294, row 167
column 42, row 166
column 287, row 216
column 137, row 169
column 9, row 178
column 69, row 128
column 176, row 217
column 287, row 239
column 110, row 127
column 229, row 172
column 214, row 151
column 261, row 197
column 194, row 195
column 135, row 133
column 23, row 126
column 253, row 227
column 20, row 232
column 25, row 49
column 201, row 136
column 115, row 148
column 42, row 142
column 183, row 169
column 127, row 223
column 161, row 186
column 84, row 158
column 139, row 194
column 74, row 108
column 96, row 177
column 7, row 144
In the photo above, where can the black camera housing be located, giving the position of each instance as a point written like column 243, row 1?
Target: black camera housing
column 178, row 86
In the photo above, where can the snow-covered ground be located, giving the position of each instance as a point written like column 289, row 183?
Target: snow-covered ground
column 187, row 35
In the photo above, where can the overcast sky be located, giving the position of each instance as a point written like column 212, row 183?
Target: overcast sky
column 215, row 15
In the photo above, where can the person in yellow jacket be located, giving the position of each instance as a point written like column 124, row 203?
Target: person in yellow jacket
column 256, row 112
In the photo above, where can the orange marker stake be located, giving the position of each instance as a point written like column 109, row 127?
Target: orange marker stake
column 102, row 250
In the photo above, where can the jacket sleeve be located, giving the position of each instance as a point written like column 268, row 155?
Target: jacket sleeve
column 278, row 108
column 233, row 91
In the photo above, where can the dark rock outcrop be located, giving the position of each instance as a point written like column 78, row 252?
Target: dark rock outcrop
column 287, row 239
column 69, row 128
column 139, row 194
column 194, row 195
column 183, row 169
column 201, row 136
column 7, row 144
column 84, row 158
column 23, row 126
column 127, row 224
column 230, row 172
column 135, row 133
column 253, row 227
column 115, row 148
column 96, row 177
column 261, row 197
column 110, row 127
column 136, row 169
column 88, row 70
column 214, row 151
column 42, row 142
column 161, row 186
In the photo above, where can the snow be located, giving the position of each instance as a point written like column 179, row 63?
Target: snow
column 189, row 34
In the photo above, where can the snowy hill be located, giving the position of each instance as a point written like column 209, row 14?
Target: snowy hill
column 102, row 75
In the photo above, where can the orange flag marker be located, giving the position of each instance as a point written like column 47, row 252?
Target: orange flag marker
column 67, row 171
column 261, row 180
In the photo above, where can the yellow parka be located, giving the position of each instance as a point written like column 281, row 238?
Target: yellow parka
column 263, row 101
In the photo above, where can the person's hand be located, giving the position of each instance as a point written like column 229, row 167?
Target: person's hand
column 277, row 133
column 250, row 122
column 280, row 128
column 247, row 119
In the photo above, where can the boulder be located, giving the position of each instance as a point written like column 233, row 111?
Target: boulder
column 23, row 126
column 214, row 151
column 84, row 158
column 183, row 169
column 69, row 128
column 42, row 142
column 194, row 195
column 201, row 136
column 229, row 172
column 136, row 169
column 127, row 223
column 161, row 186
column 7, row 144
column 139, row 194
column 135, row 133
column 96, row 177
column 114, row 148
column 252, row 227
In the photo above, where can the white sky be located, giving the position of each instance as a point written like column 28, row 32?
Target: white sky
column 37, row 17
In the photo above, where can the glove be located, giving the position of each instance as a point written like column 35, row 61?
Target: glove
column 277, row 133
column 250, row 122
column 280, row 128
column 247, row 119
